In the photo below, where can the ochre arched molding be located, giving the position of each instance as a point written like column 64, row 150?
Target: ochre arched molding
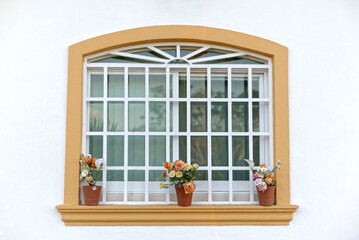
column 176, row 33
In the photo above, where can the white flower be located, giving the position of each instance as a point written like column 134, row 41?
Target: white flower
column 84, row 172
column 258, row 181
column 98, row 163
column 250, row 163
column 172, row 174
column 187, row 166
column 263, row 169
column 260, row 174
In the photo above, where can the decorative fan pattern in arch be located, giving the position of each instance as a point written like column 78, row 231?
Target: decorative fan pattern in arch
column 172, row 53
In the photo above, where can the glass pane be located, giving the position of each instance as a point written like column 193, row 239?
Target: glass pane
column 199, row 86
column 120, row 59
column 157, row 150
column 115, row 86
column 198, row 117
column 260, row 117
column 136, row 116
column 239, row 87
column 260, row 87
column 241, row 175
column 182, row 85
column 199, row 150
column 255, row 87
column 219, row 115
column 219, row 85
column 241, row 185
column 114, row 175
column 220, row 185
column 239, row 117
column 136, row 85
column 115, row 114
column 95, row 146
column 182, row 117
column 183, row 148
column 136, row 150
column 157, row 85
column 157, row 118
column 96, row 117
column 96, row 85
column 156, row 175
column 171, row 50
column 155, row 193
column 219, row 151
column 136, row 175
column 261, row 153
column 202, row 175
column 115, row 150
column 240, row 150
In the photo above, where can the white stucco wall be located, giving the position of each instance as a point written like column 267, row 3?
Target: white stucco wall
column 323, row 41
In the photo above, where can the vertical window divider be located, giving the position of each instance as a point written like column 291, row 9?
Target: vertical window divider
column 209, row 136
column 250, row 130
column 168, row 126
column 125, row 162
column 147, row 123
column 104, row 151
column 230, row 153
column 270, row 92
column 188, row 103
column 175, row 118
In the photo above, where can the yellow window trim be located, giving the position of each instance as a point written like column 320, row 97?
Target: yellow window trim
column 75, row 214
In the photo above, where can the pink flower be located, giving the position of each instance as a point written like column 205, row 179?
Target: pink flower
column 255, row 176
column 262, row 187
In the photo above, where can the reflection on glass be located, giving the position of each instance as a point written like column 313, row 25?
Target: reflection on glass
column 182, row 86
column 220, row 175
column 136, row 150
column 157, row 150
column 96, row 85
column 240, row 175
column 136, row 175
column 182, row 117
column 157, row 118
column 136, row 116
column 183, row 148
column 96, row 146
column 157, row 85
column 202, row 175
column 255, row 88
column 219, row 86
column 114, row 175
column 96, row 116
column 199, row 150
column 219, row 151
column 198, row 86
column 198, row 116
column 260, row 149
column 156, row 175
column 115, row 150
column 115, row 113
column 219, row 115
column 240, row 150
column 239, row 87
column 115, row 86
column 136, row 85
column 239, row 117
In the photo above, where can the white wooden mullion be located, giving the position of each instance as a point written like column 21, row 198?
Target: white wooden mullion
column 188, row 109
column 250, row 130
column 168, row 124
column 175, row 117
column 178, row 51
column 147, row 118
column 104, row 151
column 195, row 52
column 130, row 55
column 230, row 153
column 269, row 80
column 206, row 59
column 125, row 172
column 159, row 51
column 209, row 137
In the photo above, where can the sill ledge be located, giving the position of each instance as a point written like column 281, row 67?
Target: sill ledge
column 110, row 215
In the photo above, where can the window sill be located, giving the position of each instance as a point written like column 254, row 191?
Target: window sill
column 163, row 215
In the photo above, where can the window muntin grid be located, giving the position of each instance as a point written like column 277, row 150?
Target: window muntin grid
column 133, row 178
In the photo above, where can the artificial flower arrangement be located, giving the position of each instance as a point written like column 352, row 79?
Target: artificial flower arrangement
column 264, row 177
column 181, row 175
column 90, row 168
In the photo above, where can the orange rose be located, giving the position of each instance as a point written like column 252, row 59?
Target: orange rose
column 268, row 181
column 263, row 166
column 167, row 165
column 164, row 174
column 179, row 165
column 189, row 187
column 267, row 175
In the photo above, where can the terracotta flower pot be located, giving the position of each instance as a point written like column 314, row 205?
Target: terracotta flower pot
column 266, row 198
column 91, row 196
column 183, row 199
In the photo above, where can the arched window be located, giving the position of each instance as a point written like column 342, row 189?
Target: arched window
column 143, row 96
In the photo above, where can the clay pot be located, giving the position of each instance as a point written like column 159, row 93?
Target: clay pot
column 91, row 196
column 183, row 199
column 266, row 198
